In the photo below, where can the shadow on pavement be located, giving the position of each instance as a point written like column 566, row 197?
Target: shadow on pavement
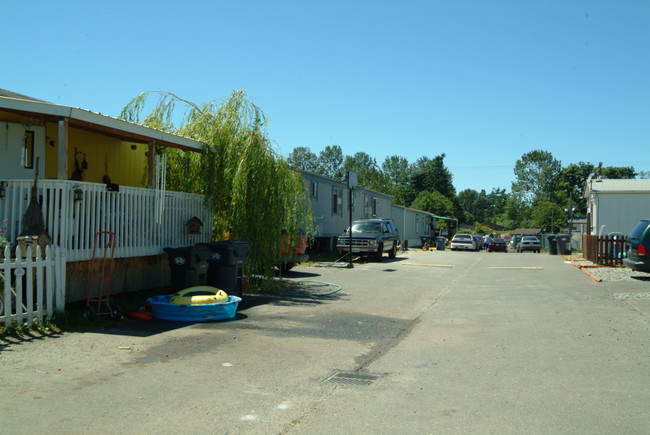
column 295, row 295
column 9, row 340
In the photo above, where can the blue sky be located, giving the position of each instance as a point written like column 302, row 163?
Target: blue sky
column 482, row 81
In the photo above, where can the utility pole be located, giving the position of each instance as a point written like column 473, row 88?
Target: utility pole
column 352, row 183
column 552, row 221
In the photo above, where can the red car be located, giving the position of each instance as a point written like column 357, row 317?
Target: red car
column 497, row 245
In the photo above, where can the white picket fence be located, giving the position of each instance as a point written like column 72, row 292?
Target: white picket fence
column 144, row 220
column 34, row 286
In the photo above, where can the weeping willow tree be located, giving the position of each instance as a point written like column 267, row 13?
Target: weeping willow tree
column 251, row 190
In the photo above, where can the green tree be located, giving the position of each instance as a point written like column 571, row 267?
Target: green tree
column 548, row 216
column 397, row 169
column 253, row 193
column 475, row 203
column 368, row 173
column 618, row 172
column 434, row 202
column 572, row 181
column 302, row 158
column 432, row 174
column 536, row 174
column 330, row 162
column 515, row 213
column 497, row 200
column 398, row 172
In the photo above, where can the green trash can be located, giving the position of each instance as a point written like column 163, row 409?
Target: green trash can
column 188, row 265
column 441, row 242
column 552, row 244
column 226, row 265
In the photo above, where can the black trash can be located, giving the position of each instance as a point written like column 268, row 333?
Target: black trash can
column 552, row 245
column 189, row 266
column 441, row 242
column 226, row 265
column 563, row 244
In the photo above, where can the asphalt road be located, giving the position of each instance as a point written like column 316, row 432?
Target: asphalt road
column 445, row 342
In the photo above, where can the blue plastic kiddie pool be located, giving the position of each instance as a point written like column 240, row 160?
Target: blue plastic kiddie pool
column 165, row 310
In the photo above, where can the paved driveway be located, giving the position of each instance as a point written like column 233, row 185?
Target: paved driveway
column 431, row 342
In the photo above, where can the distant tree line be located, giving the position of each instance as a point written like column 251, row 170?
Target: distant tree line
column 544, row 192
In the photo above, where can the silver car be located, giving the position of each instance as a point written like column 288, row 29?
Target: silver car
column 529, row 243
column 463, row 242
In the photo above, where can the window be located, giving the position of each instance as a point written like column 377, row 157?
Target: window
column 370, row 206
column 314, row 189
column 28, row 150
column 337, row 200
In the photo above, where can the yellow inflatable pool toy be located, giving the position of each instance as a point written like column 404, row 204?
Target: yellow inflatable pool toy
column 199, row 295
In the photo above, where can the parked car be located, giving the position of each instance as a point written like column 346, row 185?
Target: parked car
column 479, row 242
column 463, row 242
column 529, row 243
column 638, row 246
column 371, row 237
column 497, row 245
column 514, row 241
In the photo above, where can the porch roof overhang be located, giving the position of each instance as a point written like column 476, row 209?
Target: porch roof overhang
column 443, row 217
column 91, row 121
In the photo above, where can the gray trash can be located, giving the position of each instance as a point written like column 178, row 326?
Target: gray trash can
column 563, row 244
column 552, row 245
column 441, row 242
column 226, row 265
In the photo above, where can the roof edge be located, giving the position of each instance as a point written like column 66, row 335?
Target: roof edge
column 87, row 116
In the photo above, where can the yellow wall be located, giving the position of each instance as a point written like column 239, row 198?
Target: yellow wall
column 10, row 117
column 125, row 166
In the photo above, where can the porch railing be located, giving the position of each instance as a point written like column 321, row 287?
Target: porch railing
column 144, row 220
column 33, row 287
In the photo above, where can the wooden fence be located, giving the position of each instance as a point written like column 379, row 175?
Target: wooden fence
column 32, row 287
column 604, row 250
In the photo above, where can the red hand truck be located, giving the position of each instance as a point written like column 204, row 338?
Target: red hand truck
column 101, row 271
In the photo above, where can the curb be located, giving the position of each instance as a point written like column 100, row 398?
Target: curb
column 583, row 268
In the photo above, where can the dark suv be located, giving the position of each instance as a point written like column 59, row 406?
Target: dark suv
column 638, row 247
column 371, row 237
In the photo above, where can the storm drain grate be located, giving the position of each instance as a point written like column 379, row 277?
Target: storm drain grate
column 351, row 379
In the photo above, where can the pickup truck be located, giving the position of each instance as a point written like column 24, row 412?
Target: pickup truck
column 371, row 237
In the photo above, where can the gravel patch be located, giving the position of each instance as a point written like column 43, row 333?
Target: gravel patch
column 613, row 274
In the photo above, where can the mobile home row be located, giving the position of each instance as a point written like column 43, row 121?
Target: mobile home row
column 331, row 201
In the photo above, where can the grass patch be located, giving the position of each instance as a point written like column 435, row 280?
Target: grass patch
column 46, row 327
